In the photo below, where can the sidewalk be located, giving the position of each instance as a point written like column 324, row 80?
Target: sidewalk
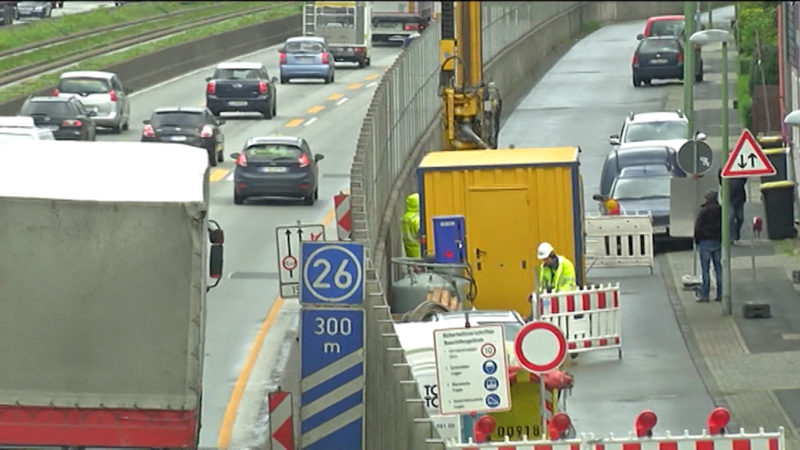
column 750, row 366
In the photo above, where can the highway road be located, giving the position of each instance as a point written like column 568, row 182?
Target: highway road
column 582, row 100
column 329, row 117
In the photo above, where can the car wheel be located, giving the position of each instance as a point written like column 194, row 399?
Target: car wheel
column 212, row 159
column 275, row 107
column 117, row 129
column 237, row 199
column 636, row 81
column 284, row 80
column 648, row 81
column 125, row 126
column 361, row 63
column 221, row 155
column 368, row 61
column 309, row 199
column 699, row 77
column 316, row 194
column 328, row 79
column 267, row 112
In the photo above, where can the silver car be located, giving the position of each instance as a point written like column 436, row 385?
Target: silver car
column 21, row 128
column 101, row 92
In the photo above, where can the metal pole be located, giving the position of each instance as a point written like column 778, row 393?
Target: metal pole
column 710, row 19
column 726, row 221
column 688, row 95
column 542, row 407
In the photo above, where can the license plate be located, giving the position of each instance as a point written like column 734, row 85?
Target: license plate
column 238, row 103
column 274, row 169
column 51, row 127
column 659, row 230
column 178, row 138
column 305, row 58
column 658, row 61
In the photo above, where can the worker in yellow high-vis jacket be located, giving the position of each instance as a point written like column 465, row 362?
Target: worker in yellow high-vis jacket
column 557, row 273
column 410, row 227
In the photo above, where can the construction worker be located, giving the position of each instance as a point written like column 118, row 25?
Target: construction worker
column 556, row 274
column 410, row 227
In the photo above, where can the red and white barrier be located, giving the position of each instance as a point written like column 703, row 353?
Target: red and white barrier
column 344, row 225
column 281, row 422
column 590, row 318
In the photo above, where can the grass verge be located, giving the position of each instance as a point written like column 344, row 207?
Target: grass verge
column 590, row 26
column 43, row 30
column 29, row 86
column 53, row 52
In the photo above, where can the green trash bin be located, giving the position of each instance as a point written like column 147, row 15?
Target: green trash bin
column 778, row 197
column 777, row 156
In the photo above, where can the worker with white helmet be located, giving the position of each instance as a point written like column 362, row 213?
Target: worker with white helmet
column 557, row 273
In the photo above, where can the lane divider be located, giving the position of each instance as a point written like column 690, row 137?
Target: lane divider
column 341, row 102
column 372, row 76
column 374, row 83
column 310, row 121
column 354, row 86
column 217, row 174
column 335, row 97
column 315, row 109
column 293, row 123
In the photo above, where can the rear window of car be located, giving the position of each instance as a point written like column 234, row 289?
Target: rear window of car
column 236, row 74
column 48, row 108
column 177, row 119
column 659, row 45
column 304, row 47
column 656, row 131
column 641, row 187
column 272, row 152
column 666, row 28
column 84, row 85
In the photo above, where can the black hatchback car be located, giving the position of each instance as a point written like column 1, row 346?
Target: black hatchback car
column 242, row 87
column 660, row 58
column 65, row 117
column 194, row 126
column 276, row 166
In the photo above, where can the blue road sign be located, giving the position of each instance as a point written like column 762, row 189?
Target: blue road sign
column 332, row 372
column 489, row 367
column 492, row 400
column 491, row 384
column 332, row 273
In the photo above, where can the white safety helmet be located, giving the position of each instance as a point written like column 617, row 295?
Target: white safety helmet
column 545, row 249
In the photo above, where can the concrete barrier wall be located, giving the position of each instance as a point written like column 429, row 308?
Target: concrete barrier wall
column 153, row 68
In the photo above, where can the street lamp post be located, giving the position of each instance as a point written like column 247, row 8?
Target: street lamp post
column 714, row 36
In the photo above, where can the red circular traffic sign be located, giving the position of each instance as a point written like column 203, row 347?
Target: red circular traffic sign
column 289, row 262
column 540, row 347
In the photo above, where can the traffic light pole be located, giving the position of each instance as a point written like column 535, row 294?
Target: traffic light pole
column 688, row 98
column 726, row 210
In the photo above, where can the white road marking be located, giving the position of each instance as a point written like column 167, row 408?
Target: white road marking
column 340, row 102
column 229, row 177
column 374, row 83
column 310, row 121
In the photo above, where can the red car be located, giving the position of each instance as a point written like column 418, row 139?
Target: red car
column 663, row 26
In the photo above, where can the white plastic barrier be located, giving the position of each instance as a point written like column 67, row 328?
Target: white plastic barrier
column 750, row 441
column 619, row 241
column 590, row 318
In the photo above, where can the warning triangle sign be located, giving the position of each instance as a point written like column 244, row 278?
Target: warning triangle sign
column 747, row 159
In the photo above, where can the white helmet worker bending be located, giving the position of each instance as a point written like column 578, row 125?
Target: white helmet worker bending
column 557, row 273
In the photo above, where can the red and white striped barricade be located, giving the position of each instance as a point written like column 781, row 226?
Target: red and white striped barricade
column 281, row 420
column 619, row 241
column 566, row 444
column 739, row 441
column 344, row 226
column 590, row 318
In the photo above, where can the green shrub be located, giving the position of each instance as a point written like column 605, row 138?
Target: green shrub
column 744, row 64
column 769, row 65
column 744, row 100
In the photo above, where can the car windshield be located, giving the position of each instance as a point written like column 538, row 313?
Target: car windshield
column 655, row 131
column 177, row 119
column 272, row 152
column 635, row 188
column 659, row 45
column 667, row 28
column 236, row 74
column 83, row 86
column 47, row 108
column 304, row 47
column 14, row 137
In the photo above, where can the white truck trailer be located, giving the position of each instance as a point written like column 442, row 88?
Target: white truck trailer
column 345, row 27
column 395, row 23
column 103, row 282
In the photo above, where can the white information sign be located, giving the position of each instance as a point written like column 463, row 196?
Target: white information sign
column 471, row 370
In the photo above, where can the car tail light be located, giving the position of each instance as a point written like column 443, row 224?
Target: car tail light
column 325, row 58
column 612, row 207
column 680, row 57
column 303, row 160
column 207, row 131
column 211, row 87
column 56, row 92
column 262, row 87
column 283, row 58
column 113, row 95
column 360, row 49
column 411, row 27
column 72, row 123
column 635, row 59
column 149, row 131
column 241, row 160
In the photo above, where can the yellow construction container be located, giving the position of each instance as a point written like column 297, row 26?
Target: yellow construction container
column 511, row 201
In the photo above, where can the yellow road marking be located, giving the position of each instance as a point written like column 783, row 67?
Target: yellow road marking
column 315, row 109
column 335, row 96
column 232, row 410
column 354, row 86
column 218, row 174
column 372, row 76
column 294, row 122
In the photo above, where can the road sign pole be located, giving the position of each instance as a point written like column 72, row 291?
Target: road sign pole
column 696, row 200
column 542, row 408
column 466, row 427
column 726, row 220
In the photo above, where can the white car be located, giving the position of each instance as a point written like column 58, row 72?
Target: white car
column 653, row 128
column 20, row 128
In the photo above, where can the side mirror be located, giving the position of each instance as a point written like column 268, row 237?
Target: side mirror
column 274, row 79
column 221, row 121
column 209, row 78
column 639, row 37
column 318, row 157
column 146, row 121
column 235, row 155
column 613, row 139
column 599, row 197
column 128, row 90
column 91, row 113
column 282, row 50
column 700, row 136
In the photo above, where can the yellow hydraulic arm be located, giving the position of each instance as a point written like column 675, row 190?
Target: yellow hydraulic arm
column 471, row 106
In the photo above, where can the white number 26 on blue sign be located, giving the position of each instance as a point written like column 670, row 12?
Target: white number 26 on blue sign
column 332, row 273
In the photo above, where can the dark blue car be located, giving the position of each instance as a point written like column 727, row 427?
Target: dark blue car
column 641, row 190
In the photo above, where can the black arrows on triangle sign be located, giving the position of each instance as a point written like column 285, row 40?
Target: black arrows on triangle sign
column 743, row 163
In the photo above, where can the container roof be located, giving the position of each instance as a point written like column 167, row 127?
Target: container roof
column 502, row 157
column 104, row 171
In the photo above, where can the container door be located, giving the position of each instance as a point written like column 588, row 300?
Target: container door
column 498, row 242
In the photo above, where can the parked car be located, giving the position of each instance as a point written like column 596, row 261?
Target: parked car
column 102, row 92
column 21, row 129
column 34, row 9
column 669, row 128
column 641, row 189
column 306, row 57
column 617, row 160
column 194, row 126
column 276, row 166
column 66, row 118
column 663, row 26
column 660, row 58
column 57, row 4
column 242, row 86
